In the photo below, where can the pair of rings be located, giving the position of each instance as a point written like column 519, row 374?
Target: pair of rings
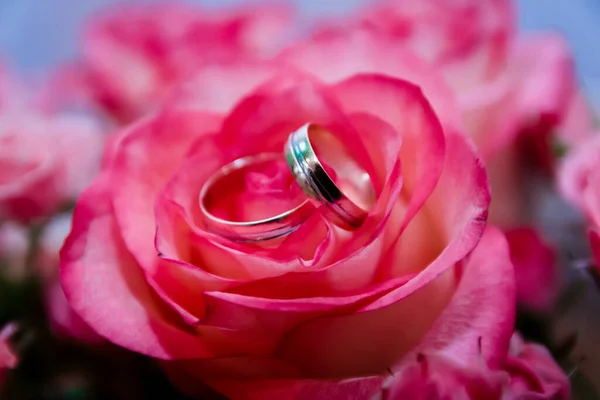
column 346, row 202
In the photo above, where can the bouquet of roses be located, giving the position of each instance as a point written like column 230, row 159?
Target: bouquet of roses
column 400, row 203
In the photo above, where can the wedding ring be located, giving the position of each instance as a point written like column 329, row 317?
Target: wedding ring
column 249, row 231
column 340, row 188
column 348, row 201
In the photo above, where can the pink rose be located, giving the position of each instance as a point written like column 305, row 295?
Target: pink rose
column 529, row 372
column 133, row 55
column 503, row 84
column 536, row 270
column 323, row 311
column 44, row 162
column 579, row 182
column 498, row 77
column 45, row 158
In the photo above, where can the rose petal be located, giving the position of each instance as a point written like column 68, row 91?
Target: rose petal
column 529, row 372
column 534, row 373
column 266, row 318
column 64, row 322
column 491, row 114
column 270, row 318
column 432, row 376
column 190, row 307
column 444, row 225
column 402, row 106
column 320, row 348
column 482, row 309
column 217, row 87
column 535, row 269
column 339, row 54
column 152, row 148
column 97, row 270
column 458, row 205
column 544, row 67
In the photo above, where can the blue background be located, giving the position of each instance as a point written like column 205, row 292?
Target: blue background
column 35, row 34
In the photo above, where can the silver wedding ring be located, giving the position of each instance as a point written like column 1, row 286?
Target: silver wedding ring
column 344, row 198
column 347, row 202
column 249, row 231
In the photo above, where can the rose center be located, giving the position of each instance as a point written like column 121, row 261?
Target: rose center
column 258, row 192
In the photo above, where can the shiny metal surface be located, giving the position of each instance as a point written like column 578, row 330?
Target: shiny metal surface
column 347, row 201
column 250, row 231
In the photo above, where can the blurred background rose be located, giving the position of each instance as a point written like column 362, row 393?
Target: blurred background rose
column 38, row 35
column 28, row 26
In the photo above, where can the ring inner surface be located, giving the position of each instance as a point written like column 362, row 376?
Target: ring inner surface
column 351, row 179
column 255, row 191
